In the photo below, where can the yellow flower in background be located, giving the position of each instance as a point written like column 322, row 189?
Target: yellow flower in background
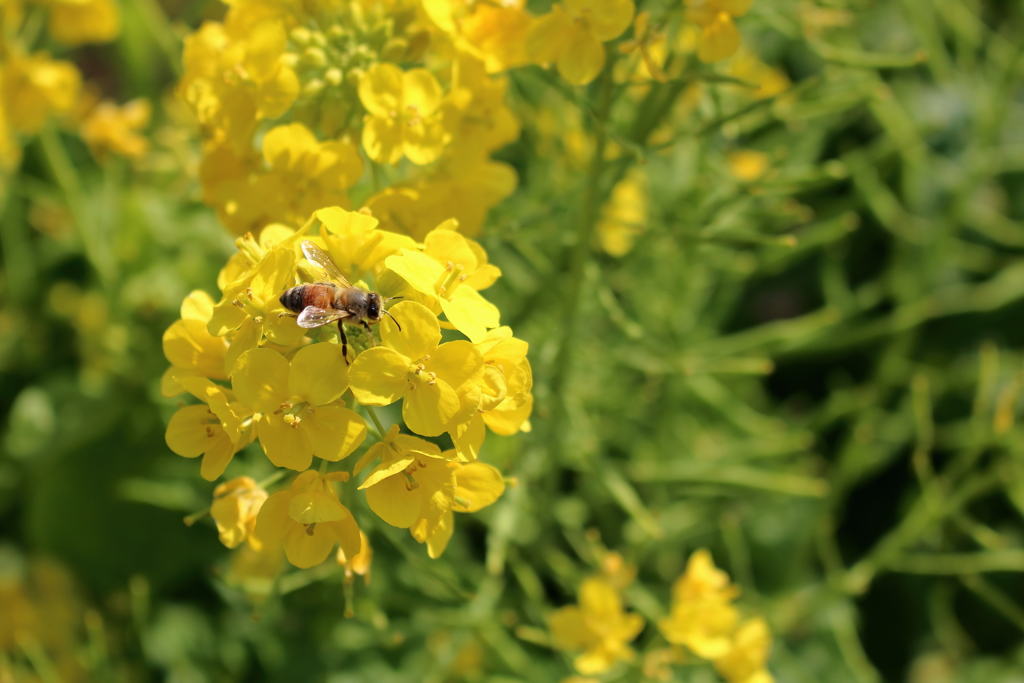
column 114, row 129
column 745, row 660
column 624, row 216
column 747, row 66
column 312, row 174
column 649, row 45
column 77, row 22
column 452, row 269
column 719, row 37
column 573, row 34
column 702, row 616
column 216, row 429
column 475, row 110
column 747, row 165
column 236, row 503
column 599, row 626
column 301, row 415
column 308, row 520
column 411, row 365
column 36, row 87
column 409, row 486
column 403, row 118
column 477, row 486
column 492, row 32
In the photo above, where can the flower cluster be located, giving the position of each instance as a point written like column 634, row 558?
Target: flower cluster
column 702, row 619
column 297, row 102
column 260, row 376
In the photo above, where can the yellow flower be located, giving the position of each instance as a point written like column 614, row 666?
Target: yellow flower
column 702, row 617
column 36, row 87
column 76, row 22
column 110, row 128
column 573, row 36
column 403, row 118
column 645, row 42
column 312, row 174
column 477, row 485
column 410, row 364
column 452, row 269
column 236, row 503
column 719, row 37
column 494, row 33
column 475, row 110
column 624, row 216
column 189, row 346
column 250, row 307
column 745, row 661
column 216, row 429
column 354, row 243
column 747, row 66
column 598, row 626
column 309, row 520
column 747, row 165
column 301, row 415
column 411, row 483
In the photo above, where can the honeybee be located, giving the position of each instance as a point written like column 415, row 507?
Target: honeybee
column 321, row 303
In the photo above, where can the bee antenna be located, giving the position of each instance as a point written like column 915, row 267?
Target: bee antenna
column 392, row 298
column 393, row 317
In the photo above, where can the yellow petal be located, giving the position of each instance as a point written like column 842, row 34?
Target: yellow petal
column 448, row 245
column 421, row 92
column 547, row 37
column 395, row 501
column 440, row 534
column 607, row 19
column 382, row 139
column 217, row 457
column 437, row 484
column 583, row 58
column 419, row 270
column 338, row 221
column 314, row 505
column 260, row 380
column 423, row 140
column 378, row 376
column 387, row 469
column 248, row 336
column 428, row 408
column 334, row 432
column 346, row 533
column 420, row 331
column 285, row 146
column 568, row 629
column 273, row 522
column 188, row 344
column 318, row 374
column 457, row 363
column 471, row 314
column 477, row 485
column 718, row 40
column 284, row 445
column 197, row 306
column 380, row 90
column 468, row 438
column 304, row 549
column 189, row 432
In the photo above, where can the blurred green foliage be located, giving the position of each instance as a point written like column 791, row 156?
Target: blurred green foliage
column 815, row 373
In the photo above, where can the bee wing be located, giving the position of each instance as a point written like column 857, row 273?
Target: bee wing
column 314, row 316
column 319, row 257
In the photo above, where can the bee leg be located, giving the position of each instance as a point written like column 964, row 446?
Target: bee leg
column 365, row 324
column 344, row 341
column 287, row 315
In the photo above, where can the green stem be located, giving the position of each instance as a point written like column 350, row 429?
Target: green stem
column 376, row 423
column 155, row 19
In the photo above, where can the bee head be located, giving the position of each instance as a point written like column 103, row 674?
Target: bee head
column 374, row 308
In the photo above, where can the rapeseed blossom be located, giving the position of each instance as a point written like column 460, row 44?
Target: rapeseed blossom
column 599, row 626
column 719, row 37
column 258, row 376
column 573, row 34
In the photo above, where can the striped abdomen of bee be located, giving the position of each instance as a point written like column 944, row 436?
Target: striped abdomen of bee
column 320, row 295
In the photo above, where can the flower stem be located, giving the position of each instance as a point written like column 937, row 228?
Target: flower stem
column 376, row 423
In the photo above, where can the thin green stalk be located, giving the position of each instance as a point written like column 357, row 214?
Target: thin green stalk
column 376, row 423
column 155, row 19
